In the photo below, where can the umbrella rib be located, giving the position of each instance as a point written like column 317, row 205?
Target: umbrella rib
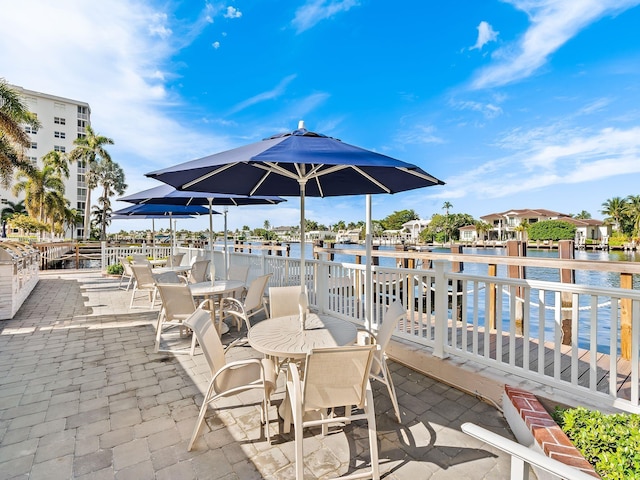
column 209, row 175
column 254, row 189
column 420, row 175
column 371, row 179
column 271, row 166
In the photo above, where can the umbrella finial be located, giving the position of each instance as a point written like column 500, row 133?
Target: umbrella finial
column 301, row 125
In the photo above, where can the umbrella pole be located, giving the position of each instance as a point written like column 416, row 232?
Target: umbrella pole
column 153, row 237
column 302, row 235
column 368, row 286
column 211, row 264
column 226, row 261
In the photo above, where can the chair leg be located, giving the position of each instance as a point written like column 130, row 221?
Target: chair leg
column 373, row 438
column 392, row 390
column 203, row 411
column 299, row 437
column 133, row 295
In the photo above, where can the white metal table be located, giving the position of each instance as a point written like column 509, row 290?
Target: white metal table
column 218, row 288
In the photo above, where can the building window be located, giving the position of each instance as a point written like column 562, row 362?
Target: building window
column 33, row 160
column 57, row 134
column 4, row 201
column 58, row 148
column 80, row 206
column 34, row 144
column 30, row 129
column 59, row 120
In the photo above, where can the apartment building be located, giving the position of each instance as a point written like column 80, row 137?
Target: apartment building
column 62, row 121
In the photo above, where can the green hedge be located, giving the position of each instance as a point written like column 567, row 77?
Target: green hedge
column 611, row 443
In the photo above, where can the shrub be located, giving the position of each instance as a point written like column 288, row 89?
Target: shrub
column 552, row 230
column 609, row 442
column 115, row 269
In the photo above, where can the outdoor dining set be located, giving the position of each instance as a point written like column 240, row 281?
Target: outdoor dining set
column 327, row 361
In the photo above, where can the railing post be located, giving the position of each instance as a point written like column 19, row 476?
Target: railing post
column 77, row 255
column 492, row 292
column 626, row 281
column 322, row 284
column 441, row 308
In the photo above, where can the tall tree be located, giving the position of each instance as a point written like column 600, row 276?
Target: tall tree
column 446, row 206
column 395, row 220
column 13, row 139
column 584, row 215
column 632, row 210
column 12, row 208
column 110, row 176
column 614, row 209
column 59, row 162
column 39, row 187
column 90, row 150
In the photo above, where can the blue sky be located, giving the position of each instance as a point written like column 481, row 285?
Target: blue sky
column 514, row 104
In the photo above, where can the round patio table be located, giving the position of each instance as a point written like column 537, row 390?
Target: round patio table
column 218, row 288
column 282, row 337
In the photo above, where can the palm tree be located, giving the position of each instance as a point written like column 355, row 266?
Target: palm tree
column 583, row 215
column 90, row 150
column 614, row 209
column 9, row 211
column 267, row 225
column 40, row 187
column 110, row 176
column 59, row 162
column 13, row 139
column 482, row 228
column 632, row 209
column 446, row 206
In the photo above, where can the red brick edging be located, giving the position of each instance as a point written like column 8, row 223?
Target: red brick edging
column 546, row 432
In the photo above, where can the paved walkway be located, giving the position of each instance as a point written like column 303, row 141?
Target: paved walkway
column 82, row 395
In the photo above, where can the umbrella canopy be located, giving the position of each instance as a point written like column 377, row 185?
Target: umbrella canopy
column 163, row 210
column 165, row 194
column 299, row 163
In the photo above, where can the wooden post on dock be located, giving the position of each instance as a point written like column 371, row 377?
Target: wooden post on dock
column 626, row 281
column 566, row 252
column 456, row 287
column 78, row 255
column 516, row 248
column 493, row 271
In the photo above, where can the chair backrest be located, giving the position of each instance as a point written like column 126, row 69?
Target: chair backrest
column 336, row 376
column 177, row 300
column 176, row 259
column 126, row 266
column 253, row 299
column 140, row 259
column 283, row 301
column 199, row 271
column 392, row 316
column 143, row 275
column 208, row 338
column 168, row 277
column 238, row 272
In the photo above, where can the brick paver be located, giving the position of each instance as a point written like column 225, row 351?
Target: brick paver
column 83, row 395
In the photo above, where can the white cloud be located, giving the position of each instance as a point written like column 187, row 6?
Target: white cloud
column 232, row 13
column 553, row 23
column 486, row 34
column 264, row 96
column 489, row 110
column 569, row 157
column 216, row 45
column 113, row 55
column 418, row 135
column 314, row 11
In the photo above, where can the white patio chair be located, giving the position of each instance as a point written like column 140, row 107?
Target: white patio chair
column 243, row 311
column 140, row 259
column 239, row 273
column 229, row 379
column 199, row 271
column 333, row 377
column 127, row 273
column 176, row 259
column 379, row 369
column 284, row 301
column 144, row 281
column 177, row 305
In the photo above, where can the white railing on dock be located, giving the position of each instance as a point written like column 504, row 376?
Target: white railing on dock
column 566, row 336
column 522, row 458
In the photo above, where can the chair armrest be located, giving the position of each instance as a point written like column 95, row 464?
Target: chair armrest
column 207, row 302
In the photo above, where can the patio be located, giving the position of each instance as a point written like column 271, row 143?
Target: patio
column 82, row 395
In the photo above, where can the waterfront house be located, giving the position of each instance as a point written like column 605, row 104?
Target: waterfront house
column 589, row 229
column 468, row 233
column 505, row 224
column 414, row 227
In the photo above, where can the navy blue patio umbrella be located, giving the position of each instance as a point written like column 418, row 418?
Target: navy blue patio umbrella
column 299, row 163
column 162, row 211
column 166, row 194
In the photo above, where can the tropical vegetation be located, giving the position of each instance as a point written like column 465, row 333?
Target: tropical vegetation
column 553, row 230
column 623, row 214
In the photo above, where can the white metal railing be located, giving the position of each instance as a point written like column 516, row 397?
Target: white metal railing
column 522, row 458
column 567, row 336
